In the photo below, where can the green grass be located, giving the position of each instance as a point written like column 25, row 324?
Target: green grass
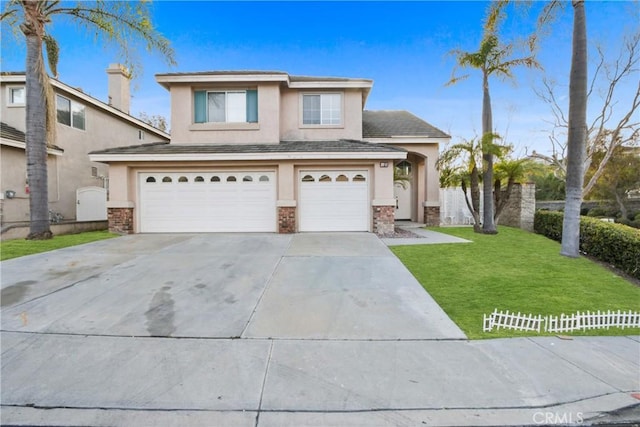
column 21, row 247
column 516, row 271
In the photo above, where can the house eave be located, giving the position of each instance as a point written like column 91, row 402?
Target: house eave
column 108, row 158
column 166, row 80
column 63, row 87
column 408, row 140
column 23, row 146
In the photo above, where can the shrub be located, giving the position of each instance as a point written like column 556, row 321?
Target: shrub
column 615, row 244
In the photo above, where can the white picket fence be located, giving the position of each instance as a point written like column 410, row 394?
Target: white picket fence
column 506, row 320
column 563, row 323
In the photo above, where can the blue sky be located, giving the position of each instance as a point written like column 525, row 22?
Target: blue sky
column 402, row 46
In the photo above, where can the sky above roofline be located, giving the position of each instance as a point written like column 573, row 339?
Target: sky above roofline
column 402, row 46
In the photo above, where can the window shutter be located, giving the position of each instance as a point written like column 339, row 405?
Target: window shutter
column 200, row 106
column 252, row 106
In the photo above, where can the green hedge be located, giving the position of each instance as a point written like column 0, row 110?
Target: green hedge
column 615, row 244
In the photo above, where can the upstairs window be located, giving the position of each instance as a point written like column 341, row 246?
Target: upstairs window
column 322, row 109
column 70, row 113
column 17, row 95
column 226, row 106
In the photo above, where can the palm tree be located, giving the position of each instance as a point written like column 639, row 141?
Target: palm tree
column 121, row 22
column 492, row 59
column 465, row 174
column 577, row 134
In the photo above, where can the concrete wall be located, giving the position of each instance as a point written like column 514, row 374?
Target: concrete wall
column 518, row 213
column 520, row 208
column 22, row 231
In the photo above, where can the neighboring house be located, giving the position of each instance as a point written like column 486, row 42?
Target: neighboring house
column 270, row 152
column 84, row 124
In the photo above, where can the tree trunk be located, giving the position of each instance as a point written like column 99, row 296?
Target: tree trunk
column 488, row 225
column 475, row 200
column 577, row 134
column 620, row 202
column 36, row 125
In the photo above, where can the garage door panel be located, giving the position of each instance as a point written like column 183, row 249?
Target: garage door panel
column 334, row 201
column 208, row 202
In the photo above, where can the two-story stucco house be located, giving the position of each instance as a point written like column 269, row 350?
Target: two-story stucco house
column 84, row 124
column 271, row 152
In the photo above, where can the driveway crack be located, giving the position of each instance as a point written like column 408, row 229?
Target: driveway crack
column 264, row 382
column 264, row 291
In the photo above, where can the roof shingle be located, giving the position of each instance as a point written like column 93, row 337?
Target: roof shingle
column 387, row 124
column 9, row 132
column 334, row 146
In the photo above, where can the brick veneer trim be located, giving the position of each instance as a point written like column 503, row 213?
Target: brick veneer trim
column 286, row 219
column 384, row 219
column 120, row 220
column 432, row 216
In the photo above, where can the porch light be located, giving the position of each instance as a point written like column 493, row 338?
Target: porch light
column 384, row 164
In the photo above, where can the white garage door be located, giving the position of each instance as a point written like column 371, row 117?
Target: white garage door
column 207, row 202
column 334, row 201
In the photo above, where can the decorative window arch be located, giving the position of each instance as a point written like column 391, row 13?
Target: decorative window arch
column 151, row 179
column 324, row 178
column 308, row 178
column 167, row 179
column 198, row 179
column 183, row 179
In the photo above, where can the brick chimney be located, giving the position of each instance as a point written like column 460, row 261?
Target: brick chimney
column 119, row 95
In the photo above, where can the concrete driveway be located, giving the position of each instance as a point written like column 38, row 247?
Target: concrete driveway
column 323, row 286
column 272, row 330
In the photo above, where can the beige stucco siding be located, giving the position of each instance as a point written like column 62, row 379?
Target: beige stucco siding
column 185, row 131
column 124, row 177
column 72, row 169
column 292, row 129
column 14, row 177
column 425, row 183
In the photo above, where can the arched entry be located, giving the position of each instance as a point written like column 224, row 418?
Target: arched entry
column 403, row 178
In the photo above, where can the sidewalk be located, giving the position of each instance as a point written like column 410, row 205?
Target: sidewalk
column 264, row 382
column 312, row 329
column 426, row 237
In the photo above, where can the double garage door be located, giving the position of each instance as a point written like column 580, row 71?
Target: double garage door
column 207, row 202
column 246, row 201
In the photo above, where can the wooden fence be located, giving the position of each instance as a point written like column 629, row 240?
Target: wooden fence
column 563, row 323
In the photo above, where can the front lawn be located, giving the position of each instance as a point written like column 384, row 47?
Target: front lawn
column 516, row 271
column 21, row 247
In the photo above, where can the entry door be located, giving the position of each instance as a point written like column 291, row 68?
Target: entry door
column 403, row 200
column 402, row 189
column 334, row 200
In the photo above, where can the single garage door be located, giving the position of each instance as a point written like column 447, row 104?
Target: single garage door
column 207, row 202
column 334, row 201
